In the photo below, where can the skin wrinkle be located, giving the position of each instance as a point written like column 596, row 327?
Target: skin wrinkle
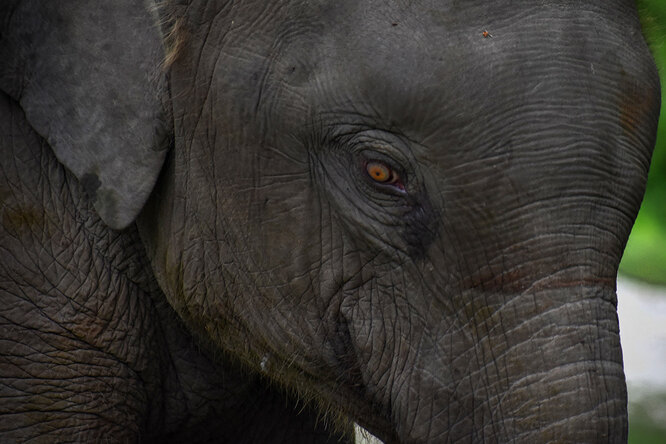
column 496, row 431
column 538, row 377
column 561, row 393
column 520, row 326
column 480, row 360
column 394, row 371
column 255, row 265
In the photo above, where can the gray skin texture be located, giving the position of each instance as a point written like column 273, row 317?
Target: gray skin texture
column 90, row 351
column 473, row 300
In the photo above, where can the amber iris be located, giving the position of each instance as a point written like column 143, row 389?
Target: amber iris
column 379, row 172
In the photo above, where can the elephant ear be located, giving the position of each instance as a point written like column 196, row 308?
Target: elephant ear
column 88, row 77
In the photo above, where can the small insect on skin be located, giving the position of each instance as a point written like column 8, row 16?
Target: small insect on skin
column 486, row 34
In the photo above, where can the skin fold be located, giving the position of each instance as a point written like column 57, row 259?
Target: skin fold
column 261, row 221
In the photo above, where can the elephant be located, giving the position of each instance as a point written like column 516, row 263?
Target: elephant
column 232, row 221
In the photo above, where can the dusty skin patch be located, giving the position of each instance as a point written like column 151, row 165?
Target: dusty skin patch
column 22, row 220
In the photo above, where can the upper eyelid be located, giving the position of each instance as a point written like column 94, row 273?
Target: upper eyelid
column 353, row 136
column 391, row 149
column 387, row 157
column 361, row 140
column 378, row 156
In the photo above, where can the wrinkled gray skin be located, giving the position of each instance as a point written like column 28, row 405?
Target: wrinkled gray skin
column 471, row 301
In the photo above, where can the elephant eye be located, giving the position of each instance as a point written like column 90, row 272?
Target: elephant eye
column 383, row 174
column 380, row 172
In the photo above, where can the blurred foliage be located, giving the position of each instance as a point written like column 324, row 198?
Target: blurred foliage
column 647, row 417
column 645, row 255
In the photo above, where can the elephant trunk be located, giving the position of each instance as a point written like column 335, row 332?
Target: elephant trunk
column 539, row 366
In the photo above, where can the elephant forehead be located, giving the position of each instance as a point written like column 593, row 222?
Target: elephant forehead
column 406, row 61
column 369, row 54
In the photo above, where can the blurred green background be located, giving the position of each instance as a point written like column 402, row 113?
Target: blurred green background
column 645, row 255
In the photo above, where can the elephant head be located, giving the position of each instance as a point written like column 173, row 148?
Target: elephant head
column 410, row 213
